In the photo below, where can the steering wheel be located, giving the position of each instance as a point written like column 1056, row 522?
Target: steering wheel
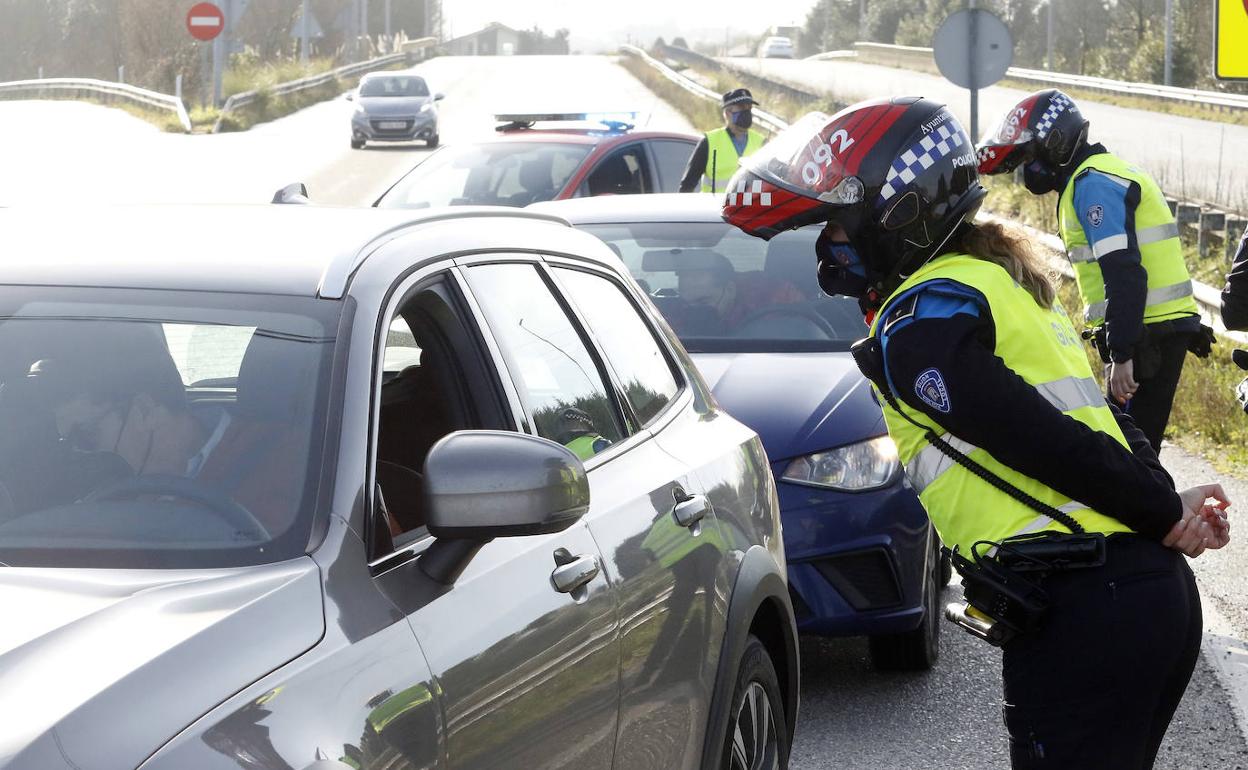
column 211, row 499
column 795, row 311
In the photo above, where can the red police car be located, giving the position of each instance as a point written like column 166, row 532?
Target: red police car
column 546, row 156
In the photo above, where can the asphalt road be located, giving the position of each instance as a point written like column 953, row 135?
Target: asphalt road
column 57, row 152
column 1198, row 159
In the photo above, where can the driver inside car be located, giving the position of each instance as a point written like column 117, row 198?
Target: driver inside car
column 128, row 403
column 717, row 299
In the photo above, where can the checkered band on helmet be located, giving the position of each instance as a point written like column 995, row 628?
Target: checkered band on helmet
column 898, row 175
column 1046, row 126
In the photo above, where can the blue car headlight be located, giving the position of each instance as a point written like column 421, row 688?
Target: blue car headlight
column 426, row 106
column 869, row 464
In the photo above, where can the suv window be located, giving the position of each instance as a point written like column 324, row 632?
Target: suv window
column 623, row 172
column 180, row 435
column 626, row 340
column 559, row 382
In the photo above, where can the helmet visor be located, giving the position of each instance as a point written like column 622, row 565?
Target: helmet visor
column 807, row 158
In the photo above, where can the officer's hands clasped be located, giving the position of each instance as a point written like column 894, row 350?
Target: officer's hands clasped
column 1204, row 525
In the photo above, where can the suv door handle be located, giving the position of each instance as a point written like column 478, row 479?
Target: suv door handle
column 570, row 576
column 691, row 510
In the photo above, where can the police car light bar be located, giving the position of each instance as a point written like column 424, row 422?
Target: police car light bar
column 614, row 120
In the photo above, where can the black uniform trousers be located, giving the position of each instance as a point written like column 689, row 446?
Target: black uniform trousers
column 1150, row 407
column 1096, row 686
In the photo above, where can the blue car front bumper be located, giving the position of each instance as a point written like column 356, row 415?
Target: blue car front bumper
column 856, row 560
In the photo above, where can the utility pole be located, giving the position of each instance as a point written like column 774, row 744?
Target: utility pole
column 387, row 19
column 862, row 20
column 1049, row 47
column 1169, row 36
column 303, row 34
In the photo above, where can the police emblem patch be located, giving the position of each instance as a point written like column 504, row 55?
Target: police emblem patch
column 930, row 388
column 1096, row 215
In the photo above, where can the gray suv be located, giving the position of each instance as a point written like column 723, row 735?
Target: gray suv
column 327, row 489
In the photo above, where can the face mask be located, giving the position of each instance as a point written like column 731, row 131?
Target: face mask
column 841, row 270
column 743, row 119
column 1038, row 178
column 89, row 437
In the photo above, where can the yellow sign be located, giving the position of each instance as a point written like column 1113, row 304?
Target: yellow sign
column 1230, row 45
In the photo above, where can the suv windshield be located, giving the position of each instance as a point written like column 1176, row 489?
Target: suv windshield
column 394, row 86
column 724, row 291
column 499, row 174
column 178, row 434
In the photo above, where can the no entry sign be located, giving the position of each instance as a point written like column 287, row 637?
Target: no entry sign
column 205, row 21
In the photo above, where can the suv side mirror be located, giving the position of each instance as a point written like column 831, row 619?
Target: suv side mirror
column 350, row 96
column 481, row 484
column 439, row 97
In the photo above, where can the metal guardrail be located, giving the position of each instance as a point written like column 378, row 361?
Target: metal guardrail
column 915, row 57
column 743, row 74
column 771, row 122
column 302, row 84
column 1208, row 298
column 95, row 90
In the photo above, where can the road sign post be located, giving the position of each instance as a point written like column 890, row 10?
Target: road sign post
column 205, row 22
column 973, row 49
column 1230, row 45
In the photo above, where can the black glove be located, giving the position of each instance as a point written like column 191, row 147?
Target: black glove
column 1200, row 344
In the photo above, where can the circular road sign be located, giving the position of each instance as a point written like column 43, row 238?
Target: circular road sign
column 205, row 21
column 991, row 55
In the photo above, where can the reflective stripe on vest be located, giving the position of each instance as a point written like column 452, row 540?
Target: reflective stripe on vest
column 1067, row 395
column 1154, row 297
column 1156, row 235
column 721, row 154
column 1039, row 345
column 1142, row 237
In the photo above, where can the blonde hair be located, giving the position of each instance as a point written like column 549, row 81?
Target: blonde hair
column 1007, row 247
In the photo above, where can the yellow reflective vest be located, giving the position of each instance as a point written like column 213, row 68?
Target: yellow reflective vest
column 1041, row 346
column 1156, row 234
column 722, row 158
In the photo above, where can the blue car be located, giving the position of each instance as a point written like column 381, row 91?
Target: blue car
column 863, row 557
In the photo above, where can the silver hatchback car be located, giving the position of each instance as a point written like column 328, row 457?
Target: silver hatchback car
column 394, row 107
column 331, row 489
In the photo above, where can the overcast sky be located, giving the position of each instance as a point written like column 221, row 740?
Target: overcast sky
column 602, row 21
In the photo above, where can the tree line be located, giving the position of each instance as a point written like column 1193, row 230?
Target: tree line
column 93, row 38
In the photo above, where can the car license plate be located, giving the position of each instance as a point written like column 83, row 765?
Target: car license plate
column 392, row 124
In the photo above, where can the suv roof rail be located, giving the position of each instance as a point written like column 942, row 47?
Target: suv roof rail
column 295, row 192
column 337, row 273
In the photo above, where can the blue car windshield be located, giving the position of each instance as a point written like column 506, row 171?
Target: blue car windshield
column 143, row 429
column 724, row 291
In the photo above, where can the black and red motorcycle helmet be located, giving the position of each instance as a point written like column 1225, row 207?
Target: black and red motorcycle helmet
column 1046, row 126
column 899, row 175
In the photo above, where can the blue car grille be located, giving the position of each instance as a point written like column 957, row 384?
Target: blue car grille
column 866, row 579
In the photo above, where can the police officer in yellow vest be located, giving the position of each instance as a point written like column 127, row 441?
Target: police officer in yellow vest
column 1124, row 245
column 1001, row 429
column 716, row 156
column 578, row 433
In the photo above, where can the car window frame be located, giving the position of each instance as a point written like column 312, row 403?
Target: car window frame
column 400, row 293
column 654, row 159
column 522, row 415
column 582, row 189
column 633, row 294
